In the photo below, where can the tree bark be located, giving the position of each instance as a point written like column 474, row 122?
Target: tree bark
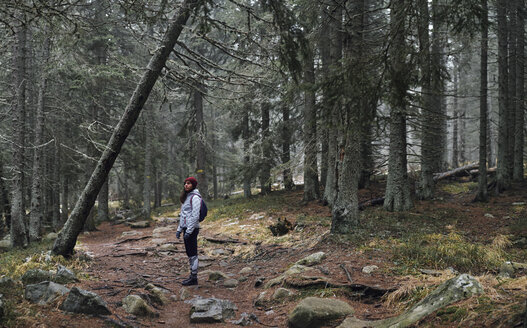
column 56, row 221
column 397, row 197
column 511, row 87
column 286, row 148
column 18, row 210
column 519, row 118
column 247, row 151
column 265, row 169
column 147, row 183
column 334, row 104
column 482, row 179
column 311, row 185
column 37, row 208
column 503, row 177
column 201, row 151
column 65, row 243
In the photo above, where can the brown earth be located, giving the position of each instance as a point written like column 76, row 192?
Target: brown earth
column 122, row 267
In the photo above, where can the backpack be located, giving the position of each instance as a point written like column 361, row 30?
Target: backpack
column 202, row 210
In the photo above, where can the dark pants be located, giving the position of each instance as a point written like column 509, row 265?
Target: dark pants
column 191, row 243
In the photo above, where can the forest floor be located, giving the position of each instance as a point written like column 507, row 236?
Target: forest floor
column 449, row 233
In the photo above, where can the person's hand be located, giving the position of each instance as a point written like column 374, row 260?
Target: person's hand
column 178, row 234
column 186, row 236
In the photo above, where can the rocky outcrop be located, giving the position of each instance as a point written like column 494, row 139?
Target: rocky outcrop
column 83, row 301
column 211, row 310
column 461, row 287
column 45, row 292
column 313, row 312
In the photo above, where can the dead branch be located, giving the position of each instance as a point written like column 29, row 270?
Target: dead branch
column 224, row 241
column 347, row 273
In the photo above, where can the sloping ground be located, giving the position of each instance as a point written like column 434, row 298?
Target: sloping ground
column 123, row 264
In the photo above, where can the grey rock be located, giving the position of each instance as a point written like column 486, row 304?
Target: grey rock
column 211, row 310
column 259, row 281
column 184, row 294
column 245, row 271
column 51, row 236
column 168, row 247
column 44, row 293
column 217, row 275
column 242, row 279
column 220, row 251
column 34, row 276
column 245, row 320
column 260, row 300
column 281, row 293
column 140, row 224
column 156, row 294
column 161, row 230
column 313, row 312
column 507, row 270
column 7, row 283
column 83, row 301
column 488, row 215
column 313, row 259
column 369, row 269
column 64, row 275
column 135, row 305
column 230, row 283
column 204, row 264
column 5, row 244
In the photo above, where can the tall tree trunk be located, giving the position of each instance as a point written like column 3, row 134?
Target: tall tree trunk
column 247, row 151
column 455, row 121
column 397, row 197
column 147, row 184
column 56, row 221
column 520, row 92
column 65, row 243
column 511, row 88
column 345, row 214
column 286, row 148
column 324, row 45
column 18, row 210
column 426, row 187
column 311, row 186
column 502, row 174
column 37, row 208
column 201, row 151
column 482, row 179
column 334, row 104
column 214, row 158
column 265, row 169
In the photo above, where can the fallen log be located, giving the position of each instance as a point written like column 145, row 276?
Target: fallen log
column 460, row 171
column 371, row 202
column 224, row 241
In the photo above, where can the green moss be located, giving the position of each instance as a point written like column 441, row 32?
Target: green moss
column 459, row 187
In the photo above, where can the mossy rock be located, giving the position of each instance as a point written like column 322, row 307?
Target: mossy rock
column 313, row 312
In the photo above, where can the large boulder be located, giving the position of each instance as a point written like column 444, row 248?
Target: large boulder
column 83, row 301
column 45, row 292
column 211, row 310
column 135, row 305
column 456, row 289
column 313, row 312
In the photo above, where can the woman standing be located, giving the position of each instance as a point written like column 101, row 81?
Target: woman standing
column 189, row 226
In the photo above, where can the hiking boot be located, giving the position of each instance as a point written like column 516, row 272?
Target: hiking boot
column 190, row 281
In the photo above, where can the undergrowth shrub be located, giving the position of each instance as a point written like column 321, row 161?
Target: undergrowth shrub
column 441, row 251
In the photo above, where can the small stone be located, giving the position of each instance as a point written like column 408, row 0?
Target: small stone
column 281, row 293
column 488, row 215
column 140, row 224
column 183, row 294
column 506, row 270
column 230, row 283
column 220, row 251
column 369, row 269
column 217, row 275
column 64, row 275
column 259, row 281
column 131, row 233
column 312, row 259
column 156, row 294
column 242, row 279
column 51, row 236
column 168, row 247
column 5, row 244
column 245, row 271
column 260, row 300
column 161, row 230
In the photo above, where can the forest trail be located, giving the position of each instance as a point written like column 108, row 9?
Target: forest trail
column 124, row 260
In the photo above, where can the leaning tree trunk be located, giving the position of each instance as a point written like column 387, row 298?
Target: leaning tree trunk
column 65, row 242
column 397, row 197
column 520, row 92
column 482, row 179
column 18, row 226
column 311, row 186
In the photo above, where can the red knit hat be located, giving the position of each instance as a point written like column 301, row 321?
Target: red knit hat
column 193, row 181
